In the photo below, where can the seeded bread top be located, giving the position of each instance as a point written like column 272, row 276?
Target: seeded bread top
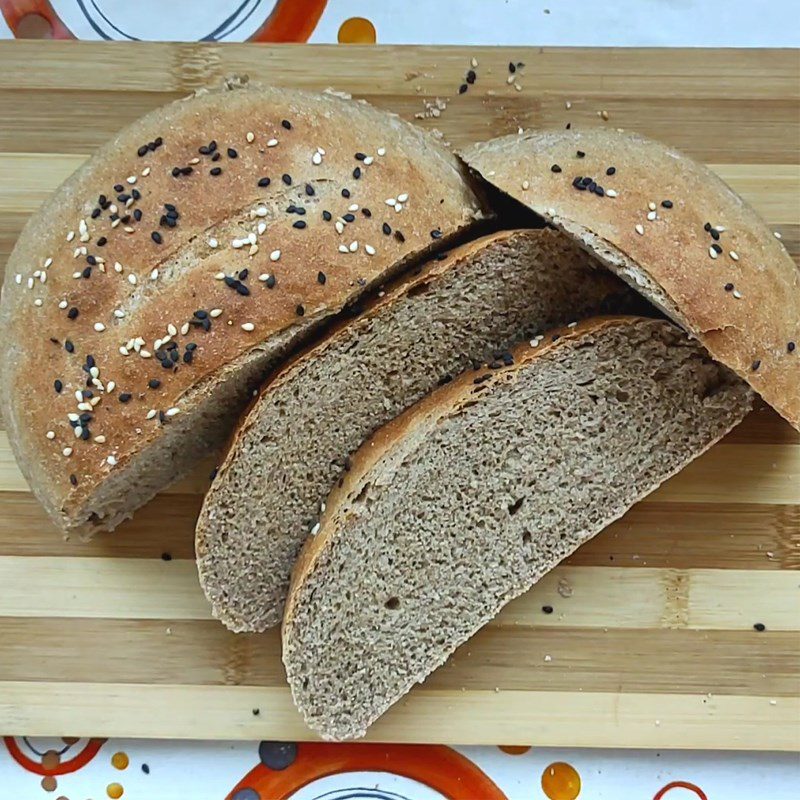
column 674, row 231
column 197, row 234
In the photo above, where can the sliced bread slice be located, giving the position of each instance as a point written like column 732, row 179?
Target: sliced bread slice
column 468, row 498
column 295, row 442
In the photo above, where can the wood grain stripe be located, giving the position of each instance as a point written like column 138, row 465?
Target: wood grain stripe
column 600, row 597
column 588, row 719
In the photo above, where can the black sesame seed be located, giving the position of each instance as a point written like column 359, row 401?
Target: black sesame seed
column 611, row 170
column 123, row 198
column 215, row 171
column 399, row 236
column 142, row 151
column 547, row 609
column 512, row 67
column 707, row 226
column 592, row 186
column 436, row 234
column 85, row 434
column 301, row 223
column 714, row 234
column 124, row 397
column 154, row 383
column 555, row 168
column 73, row 479
column 241, row 289
column 167, row 362
column 286, row 124
column 191, row 346
column 96, row 213
column 173, row 354
column 386, row 228
column 73, row 313
column 58, row 386
column 366, row 212
column 176, row 171
column 327, row 216
column 299, row 210
column 569, row 125
column 156, row 237
column 555, row 337
column 349, row 217
column 113, row 217
column 357, row 173
column 126, row 218
column 243, row 274
column 217, row 156
column 599, row 191
column 345, row 193
column 471, row 76
column 321, row 278
column 187, row 357
column 162, row 417
column 87, row 272
column 158, row 141
column 137, row 214
column 287, row 179
column 118, row 187
column 232, row 153
column 756, row 364
column 759, row 626
column 270, row 282
column 91, row 260
column 576, row 181
column 102, row 241
column 166, row 557
column 263, row 181
column 90, row 362
column 716, row 248
column 580, row 153
column 666, row 203
column 300, row 311
column 203, row 150
column 200, row 313
column 728, row 287
column 310, row 190
column 791, row 347
column 463, row 88
column 360, row 156
column 586, row 181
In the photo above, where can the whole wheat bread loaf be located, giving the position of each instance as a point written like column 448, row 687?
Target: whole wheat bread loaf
column 468, row 498
column 675, row 232
column 181, row 262
column 295, row 442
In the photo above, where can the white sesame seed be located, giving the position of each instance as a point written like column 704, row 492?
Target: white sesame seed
column 131, row 179
column 111, row 461
column 262, row 227
column 132, row 279
column 172, row 330
column 154, row 274
column 720, row 228
column 99, row 327
column 76, row 274
column 370, row 249
column 712, row 252
column 171, row 412
column 38, row 301
column 250, row 136
column 401, row 198
column 110, row 386
column 321, row 150
column 82, row 226
column 71, row 415
column 123, row 351
column 253, row 249
column 67, row 452
column 568, row 105
column 343, row 248
column 70, row 236
column 316, row 159
column 640, row 230
column 737, row 294
column 651, row 205
column 117, row 266
column 119, row 313
column 261, row 211
column 248, row 326
column 264, row 276
column 473, row 62
column 97, row 382
column 100, row 439
column 274, row 255
column 220, row 276
column 145, row 172
column 339, row 225
column 511, row 78
column 518, row 87
column 651, row 215
column 237, row 243
column 212, row 242
column 272, row 143
column 94, row 401
column 63, row 304
column 390, row 201
column 18, row 278
column 47, row 262
column 368, row 160
column 611, row 193
column 353, row 207
column 184, row 329
column 777, row 234
column 315, row 529
column 215, row 312
column 128, row 229
column 525, row 185
column 251, row 237
column 194, row 160
column 548, row 659
column 94, row 371
column 157, row 344
column 151, row 413
column 734, row 255
column 353, row 246
column 145, row 353
column 30, row 283
column 398, row 207
column 381, row 151
column 51, row 434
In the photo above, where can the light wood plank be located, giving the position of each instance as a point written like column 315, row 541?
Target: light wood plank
column 601, row 597
column 559, row 718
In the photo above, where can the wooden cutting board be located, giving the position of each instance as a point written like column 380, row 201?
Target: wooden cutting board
column 651, row 640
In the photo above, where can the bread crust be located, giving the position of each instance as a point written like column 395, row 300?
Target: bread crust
column 742, row 303
column 259, row 132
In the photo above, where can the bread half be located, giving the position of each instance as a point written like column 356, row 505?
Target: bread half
column 295, row 442
column 468, row 498
column 158, row 285
column 675, row 232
